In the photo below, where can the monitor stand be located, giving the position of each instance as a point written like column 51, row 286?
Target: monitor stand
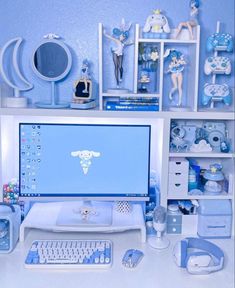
column 52, row 216
column 85, row 213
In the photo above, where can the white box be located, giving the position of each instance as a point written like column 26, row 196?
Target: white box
column 189, row 224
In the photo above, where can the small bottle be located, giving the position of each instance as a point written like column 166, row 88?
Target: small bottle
column 192, row 179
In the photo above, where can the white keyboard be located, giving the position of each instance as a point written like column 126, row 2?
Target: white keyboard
column 70, row 254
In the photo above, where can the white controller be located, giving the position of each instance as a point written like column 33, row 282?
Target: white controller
column 217, row 65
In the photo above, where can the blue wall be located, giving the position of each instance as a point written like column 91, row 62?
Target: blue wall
column 77, row 22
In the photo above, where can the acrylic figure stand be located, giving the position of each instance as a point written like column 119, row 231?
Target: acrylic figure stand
column 176, row 68
column 193, row 20
column 119, row 37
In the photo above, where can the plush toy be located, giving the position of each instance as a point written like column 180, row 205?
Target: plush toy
column 157, row 23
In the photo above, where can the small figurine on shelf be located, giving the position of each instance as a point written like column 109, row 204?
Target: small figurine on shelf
column 85, row 75
column 82, row 97
column 176, row 68
column 144, row 80
column 120, row 36
column 193, row 20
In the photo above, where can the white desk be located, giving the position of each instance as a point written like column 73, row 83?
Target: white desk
column 156, row 270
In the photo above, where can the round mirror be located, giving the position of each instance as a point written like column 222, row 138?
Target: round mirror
column 52, row 60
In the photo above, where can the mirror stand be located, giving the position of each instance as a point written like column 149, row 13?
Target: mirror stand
column 53, row 104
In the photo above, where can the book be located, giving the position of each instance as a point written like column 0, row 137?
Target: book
column 130, row 106
column 139, row 99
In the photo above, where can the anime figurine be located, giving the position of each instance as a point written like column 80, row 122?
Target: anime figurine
column 176, row 68
column 120, row 36
column 193, row 20
column 85, row 75
column 144, row 79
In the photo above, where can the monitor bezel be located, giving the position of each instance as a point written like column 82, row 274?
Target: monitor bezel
column 84, row 197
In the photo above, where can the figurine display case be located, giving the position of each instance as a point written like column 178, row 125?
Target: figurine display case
column 147, row 70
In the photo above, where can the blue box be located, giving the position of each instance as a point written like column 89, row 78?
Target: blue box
column 214, row 218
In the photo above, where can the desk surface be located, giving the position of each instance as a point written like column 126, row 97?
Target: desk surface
column 156, row 269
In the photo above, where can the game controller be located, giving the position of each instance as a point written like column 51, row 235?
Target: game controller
column 217, row 65
column 216, row 93
column 220, row 42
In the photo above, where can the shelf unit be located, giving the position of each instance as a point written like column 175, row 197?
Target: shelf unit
column 160, row 79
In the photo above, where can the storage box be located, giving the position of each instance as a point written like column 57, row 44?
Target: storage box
column 215, row 218
column 189, row 224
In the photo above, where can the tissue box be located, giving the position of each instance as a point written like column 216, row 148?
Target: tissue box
column 215, row 218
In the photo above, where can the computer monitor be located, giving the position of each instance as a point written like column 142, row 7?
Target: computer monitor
column 87, row 162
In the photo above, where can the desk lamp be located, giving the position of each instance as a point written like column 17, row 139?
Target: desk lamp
column 12, row 75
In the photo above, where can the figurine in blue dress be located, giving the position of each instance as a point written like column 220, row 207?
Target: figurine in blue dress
column 193, row 20
column 176, row 67
column 85, row 75
column 120, row 35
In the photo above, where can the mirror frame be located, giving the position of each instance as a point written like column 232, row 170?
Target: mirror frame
column 68, row 53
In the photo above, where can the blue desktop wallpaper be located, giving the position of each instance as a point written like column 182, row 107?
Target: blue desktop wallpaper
column 59, row 159
column 77, row 23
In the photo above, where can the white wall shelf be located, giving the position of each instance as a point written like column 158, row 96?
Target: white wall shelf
column 166, row 41
column 123, row 114
column 105, row 94
column 198, row 197
column 202, row 155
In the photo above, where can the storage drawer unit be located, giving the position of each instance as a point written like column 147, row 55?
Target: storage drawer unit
column 174, row 224
column 178, row 176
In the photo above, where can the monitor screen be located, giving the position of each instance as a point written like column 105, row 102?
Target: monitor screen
column 79, row 160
